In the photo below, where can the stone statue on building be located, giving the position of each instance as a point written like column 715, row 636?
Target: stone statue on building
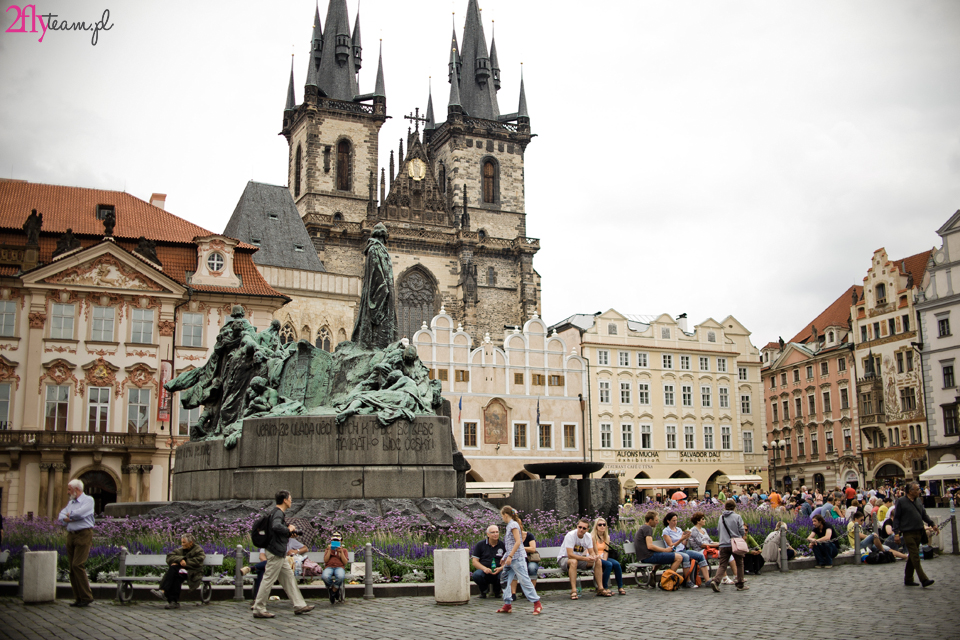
column 66, row 243
column 31, row 227
column 376, row 325
column 109, row 222
column 147, row 249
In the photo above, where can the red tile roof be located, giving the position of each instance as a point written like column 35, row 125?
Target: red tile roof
column 75, row 208
column 916, row 265
column 836, row 315
column 772, row 345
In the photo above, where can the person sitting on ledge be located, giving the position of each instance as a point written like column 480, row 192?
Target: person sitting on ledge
column 183, row 564
column 486, row 559
column 649, row 552
column 334, row 563
column 577, row 553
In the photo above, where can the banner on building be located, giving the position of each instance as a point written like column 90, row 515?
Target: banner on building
column 163, row 404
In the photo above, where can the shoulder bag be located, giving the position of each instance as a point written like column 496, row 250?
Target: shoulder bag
column 738, row 546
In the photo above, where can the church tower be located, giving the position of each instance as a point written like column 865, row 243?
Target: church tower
column 333, row 134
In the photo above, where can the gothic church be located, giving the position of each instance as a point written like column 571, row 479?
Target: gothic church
column 454, row 208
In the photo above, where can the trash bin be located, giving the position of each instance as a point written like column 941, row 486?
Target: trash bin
column 451, row 576
column 39, row 576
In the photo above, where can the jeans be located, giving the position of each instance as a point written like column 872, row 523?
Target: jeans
column 611, row 565
column 825, row 553
column 172, row 582
column 333, row 577
column 660, row 557
column 693, row 556
column 259, row 568
column 517, row 570
column 485, row 580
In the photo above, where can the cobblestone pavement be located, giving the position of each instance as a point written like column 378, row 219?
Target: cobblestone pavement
column 846, row 602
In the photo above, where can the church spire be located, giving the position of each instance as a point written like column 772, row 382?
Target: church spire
column 356, row 42
column 522, row 109
column 478, row 96
column 431, row 122
column 291, row 96
column 379, row 89
column 494, row 65
column 316, row 42
column 337, row 73
column 454, row 81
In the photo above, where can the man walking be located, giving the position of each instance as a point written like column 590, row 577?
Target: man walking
column 908, row 519
column 77, row 516
column 277, row 565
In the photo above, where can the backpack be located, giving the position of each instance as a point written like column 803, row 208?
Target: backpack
column 692, row 569
column 877, row 557
column 926, row 552
column 260, row 533
column 670, row 580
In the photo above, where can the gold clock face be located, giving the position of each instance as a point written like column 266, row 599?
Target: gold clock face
column 417, row 169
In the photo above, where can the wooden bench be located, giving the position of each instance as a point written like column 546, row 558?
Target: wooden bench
column 127, row 559
column 316, row 556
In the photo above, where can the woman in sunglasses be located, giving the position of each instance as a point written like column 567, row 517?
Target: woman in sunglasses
column 601, row 543
column 673, row 534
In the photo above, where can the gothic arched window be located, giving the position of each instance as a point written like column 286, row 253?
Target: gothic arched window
column 297, row 169
column 323, row 339
column 416, row 302
column 343, row 165
column 491, row 277
column 442, row 178
column 287, row 334
column 489, row 181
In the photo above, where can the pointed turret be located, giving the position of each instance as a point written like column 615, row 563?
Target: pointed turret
column 478, row 96
column 356, row 42
column 291, row 96
column 379, row 89
column 431, row 122
column 454, row 82
column 522, row 108
column 494, row 65
column 455, row 61
column 337, row 73
column 316, row 43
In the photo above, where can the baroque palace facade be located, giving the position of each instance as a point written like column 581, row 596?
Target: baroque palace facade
column 103, row 297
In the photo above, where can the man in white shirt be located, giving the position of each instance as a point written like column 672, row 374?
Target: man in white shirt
column 577, row 553
column 77, row 517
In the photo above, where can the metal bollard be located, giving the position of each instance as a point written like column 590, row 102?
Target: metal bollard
column 784, row 558
column 368, row 572
column 238, row 574
column 953, row 535
column 23, row 559
column 856, row 542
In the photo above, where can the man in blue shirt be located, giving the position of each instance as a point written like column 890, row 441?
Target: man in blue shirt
column 78, row 518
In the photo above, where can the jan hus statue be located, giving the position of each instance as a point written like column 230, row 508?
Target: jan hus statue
column 376, row 325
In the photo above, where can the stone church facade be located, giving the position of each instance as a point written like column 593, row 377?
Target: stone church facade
column 454, row 207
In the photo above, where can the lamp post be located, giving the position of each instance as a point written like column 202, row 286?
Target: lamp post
column 776, row 445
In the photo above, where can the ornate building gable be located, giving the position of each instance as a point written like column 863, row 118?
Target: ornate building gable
column 415, row 195
column 100, row 373
column 8, row 371
column 216, row 262
column 59, row 371
column 139, row 375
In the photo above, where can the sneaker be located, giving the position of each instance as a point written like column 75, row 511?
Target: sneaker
column 172, row 605
column 305, row 609
column 694, row 586
column 158, row 593
column 926, row 583
column 715, row 586
column 483, row 594
column 257, row 614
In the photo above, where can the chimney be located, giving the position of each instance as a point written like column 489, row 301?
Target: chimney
column 682, row 321
column 158, row 200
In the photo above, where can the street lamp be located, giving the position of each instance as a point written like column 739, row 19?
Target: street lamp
column 776, row 445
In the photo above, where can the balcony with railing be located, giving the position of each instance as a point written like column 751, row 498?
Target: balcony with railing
column 20, row 439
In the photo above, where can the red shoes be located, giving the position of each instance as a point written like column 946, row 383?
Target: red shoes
column 507, row 608
column 537, row 608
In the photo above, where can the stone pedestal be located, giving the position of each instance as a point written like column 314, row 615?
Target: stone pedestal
column 39, row 576
column 586, row 497
column 451, row 576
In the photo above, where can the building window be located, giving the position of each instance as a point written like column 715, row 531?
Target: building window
column 643, row 393
column 606, row 435
column 442, row 375
column 949, row 420
column 863, row 334
column 297, row 170
column 98, row 409
column 517, row 378
column 742, row 374
column 520, row 435
column 626, row 436
column 671, row 436
column 786, row 410
column 689, row 440
column 686, row 395
column 343, row 165
column 798, row 405
column 724, row 398
column 800, row 449
column 773, row 405
column 462, row 375
column 624, row 393
column 287, row 334
column 745, row 406
column 491, row 277
column 706, row 397
column 470, row 434
column 783, row 378
column 603, row 357
column 748, row 441
column 830, row 440
column 546, row 436
column 891, row 326
column 811, row 406
column 665, row 333
column 138, row 411
column 711, row 336
column 841, row 364
column 881, row 293
column 668, row 399
column 685, row 363
column 725, row 438
column 188, row 420
column 809, row 372
column 646, row 436
column 847, row 439
column 8, row 318
column 906, row 323
column 61, row 326
column 624, row 357
column 722, row 365
column 489, row 182
column 442, row 178
column 773, row 382
column 826, row 401
column 876, row 330
column 102, row 329
column 570, row 436
column 948, row 380
column 824, row 368
column 909, row 360
column 57, row 406
column 796, row 375
column 611, row 329
column 814, row 444
column 555, row 380
column 215, row 262
column 708, row 436
column 908, row 399
column 4, row 406
column 667, row 361
column 604, row 391
column 323, row 340
column 704, row 363
column 844, row 399
column 142, row 327
column 943, row 326
column 192, row 328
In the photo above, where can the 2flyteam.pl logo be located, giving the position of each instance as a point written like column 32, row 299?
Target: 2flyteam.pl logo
column 48, row 21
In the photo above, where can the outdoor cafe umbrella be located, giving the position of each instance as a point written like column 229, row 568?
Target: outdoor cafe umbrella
column 678, row 495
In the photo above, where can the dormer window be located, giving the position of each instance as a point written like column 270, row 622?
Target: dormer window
column 255, row 241
column 274, row 216
column 103, row 210
column 298, row 247
column 215, row 262
column 881, row 293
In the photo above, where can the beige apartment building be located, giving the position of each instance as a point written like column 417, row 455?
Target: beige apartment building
column 671, row 408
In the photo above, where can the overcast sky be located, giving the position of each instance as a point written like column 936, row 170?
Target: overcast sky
column 705, row 157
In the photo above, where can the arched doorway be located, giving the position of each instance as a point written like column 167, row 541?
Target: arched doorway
column 889, row 474
column 100, row 486
column 473, row 476
column 712, row 487
column 692, row 492
column 819, row 482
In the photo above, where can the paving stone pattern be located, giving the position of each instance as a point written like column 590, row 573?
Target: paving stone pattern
column 845, row 602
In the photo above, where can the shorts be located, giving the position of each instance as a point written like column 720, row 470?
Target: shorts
column 564, row 564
